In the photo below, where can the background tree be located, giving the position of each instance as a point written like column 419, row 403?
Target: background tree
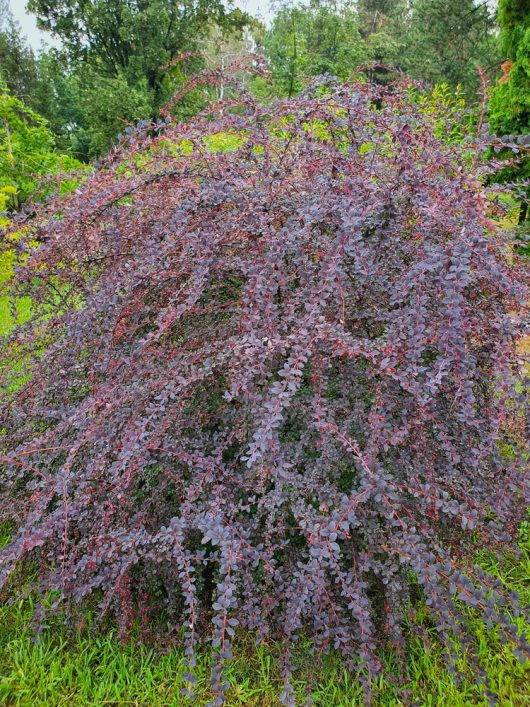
column 225, row 49
column 30, row 166
column 19, row 68
column 309, row 41
column 333, row 41
column 42, row 82
column 510, row 103
column 119, row 52
column 384, row 27
column 285, row 48
column 432, row 40
column 27, row 152
column 4, row 12
column 448, row 40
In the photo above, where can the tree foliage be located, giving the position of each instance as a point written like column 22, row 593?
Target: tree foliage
column 271, row 381
column 449, row 40
column 514, row 19
column 119, row 54
column 385, row 28
column 27, row 153
column 115, row 65
column 510, row 104
column 136, row 38
column 433, row 41
column 20, row 68
column 42, row 83
column 310, row 41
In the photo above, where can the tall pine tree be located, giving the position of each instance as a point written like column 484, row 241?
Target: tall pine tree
column 448, row 40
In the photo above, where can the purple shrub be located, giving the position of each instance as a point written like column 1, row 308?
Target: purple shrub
column 267, row 386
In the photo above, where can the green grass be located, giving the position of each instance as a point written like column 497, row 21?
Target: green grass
column 93, row 667
column 22, row 311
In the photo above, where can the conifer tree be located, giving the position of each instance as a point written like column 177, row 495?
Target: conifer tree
column 510, row 104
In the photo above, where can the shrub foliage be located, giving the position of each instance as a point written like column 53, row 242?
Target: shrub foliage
column 266, row 381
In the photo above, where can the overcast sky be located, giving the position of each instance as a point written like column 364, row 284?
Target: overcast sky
column 35, row 36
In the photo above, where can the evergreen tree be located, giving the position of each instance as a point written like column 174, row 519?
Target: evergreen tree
column 18, row 64
column 448, row 40
column 40, row 81
column 510, row 104
column 312, row 40
column 384, row 27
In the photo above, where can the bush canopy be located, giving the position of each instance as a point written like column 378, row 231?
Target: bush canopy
column 266, row 379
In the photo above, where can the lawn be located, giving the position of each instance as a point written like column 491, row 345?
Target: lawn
column 91, row 666
column 23, row 305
